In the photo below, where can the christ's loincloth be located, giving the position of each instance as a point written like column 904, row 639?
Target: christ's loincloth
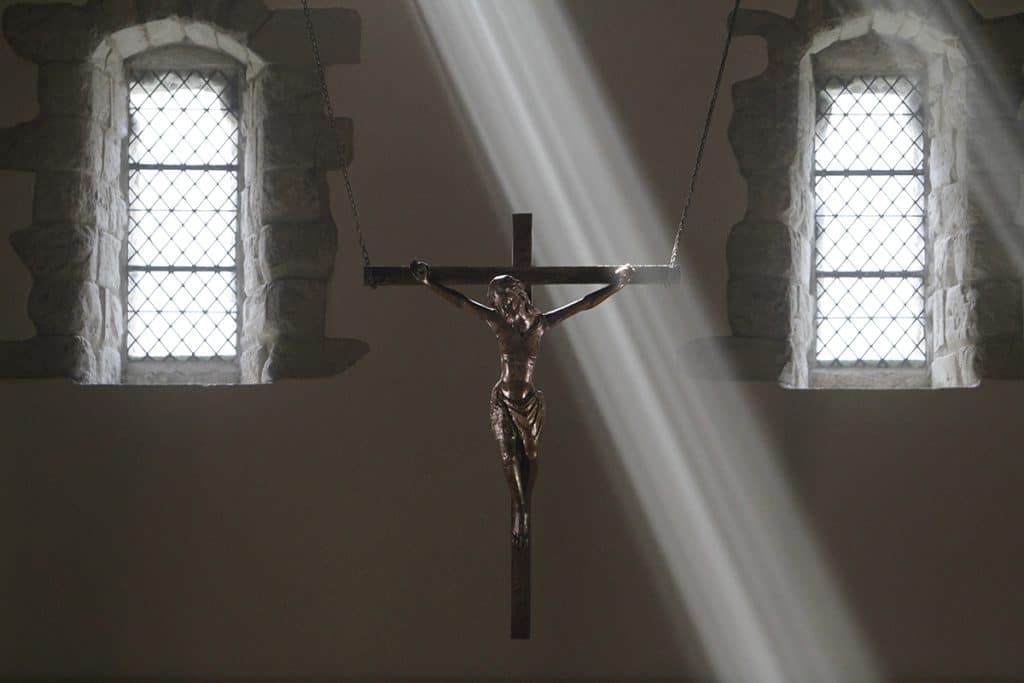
column 525, row 415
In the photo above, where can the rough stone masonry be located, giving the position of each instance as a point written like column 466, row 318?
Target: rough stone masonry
column 975, row 134
column 75, row 248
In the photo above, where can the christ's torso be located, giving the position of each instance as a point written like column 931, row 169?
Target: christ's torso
column 518, row 346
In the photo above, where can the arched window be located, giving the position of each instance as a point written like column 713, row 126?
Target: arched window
column 183, row 178
column 867, row 257
column 181, row 229
column 869, row 278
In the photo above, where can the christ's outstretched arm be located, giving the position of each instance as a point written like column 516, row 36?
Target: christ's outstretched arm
column 623, row 275
column 421, row 271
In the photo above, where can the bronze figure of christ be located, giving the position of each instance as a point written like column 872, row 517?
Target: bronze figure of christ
column 517, row 406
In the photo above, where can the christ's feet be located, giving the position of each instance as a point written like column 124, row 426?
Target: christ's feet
column 520, row 530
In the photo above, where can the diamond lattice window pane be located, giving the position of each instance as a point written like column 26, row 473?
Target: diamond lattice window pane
column 871, row 321
column 182, row 218
column 874, row 195
column 181, row 314
column 872, row 223
column 870, row 216
column 183, row 184
column 869, row 123
column 183, row 118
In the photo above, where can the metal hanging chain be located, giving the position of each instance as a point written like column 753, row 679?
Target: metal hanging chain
column 674, row 257
column 340, row 147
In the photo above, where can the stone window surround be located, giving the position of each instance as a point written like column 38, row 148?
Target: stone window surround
column 75, row 248
column 868, row 55
column 973, row 295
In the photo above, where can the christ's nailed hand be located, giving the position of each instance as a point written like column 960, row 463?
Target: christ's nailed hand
column 624, row 275
column 420, row 271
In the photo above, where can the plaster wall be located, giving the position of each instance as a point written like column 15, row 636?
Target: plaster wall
column 354, row 527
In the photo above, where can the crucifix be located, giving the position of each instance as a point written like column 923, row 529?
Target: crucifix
column 517, row 407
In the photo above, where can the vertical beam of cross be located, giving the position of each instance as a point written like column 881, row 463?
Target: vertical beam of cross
column 522, row 243
column 520, row 628
column 522, row 257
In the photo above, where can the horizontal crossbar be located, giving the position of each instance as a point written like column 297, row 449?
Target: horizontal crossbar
column 182, row 167
column 870, row 273
column 871, row 172
column 543, row 275
column 183, row 269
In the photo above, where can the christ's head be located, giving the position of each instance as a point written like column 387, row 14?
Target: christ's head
column 508, row 296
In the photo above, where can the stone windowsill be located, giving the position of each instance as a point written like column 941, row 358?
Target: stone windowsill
column 870, row 378
column 181, row 372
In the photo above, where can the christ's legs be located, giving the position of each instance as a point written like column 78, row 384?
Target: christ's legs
column 520, row 504
column 529, row 462
column 512, row 460
column 517, row 429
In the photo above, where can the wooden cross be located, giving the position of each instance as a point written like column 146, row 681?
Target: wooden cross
column 523, row 269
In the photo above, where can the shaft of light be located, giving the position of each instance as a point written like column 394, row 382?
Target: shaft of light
column 743, row 564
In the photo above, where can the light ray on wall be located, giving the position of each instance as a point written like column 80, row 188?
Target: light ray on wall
column 743, row 563
column 994, row 107
column 995, row 148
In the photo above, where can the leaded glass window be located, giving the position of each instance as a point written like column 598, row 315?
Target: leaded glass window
column 870, row 223
column 183, row 196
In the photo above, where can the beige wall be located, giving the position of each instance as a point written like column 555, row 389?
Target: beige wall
column 356, row 526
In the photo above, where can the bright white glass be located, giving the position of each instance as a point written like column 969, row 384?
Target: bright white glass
column 869, row 123
column 182, row 218
column 181, row 314
column 870, row 223
column 873, row 223
column 870, row 319
column 182, row 119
